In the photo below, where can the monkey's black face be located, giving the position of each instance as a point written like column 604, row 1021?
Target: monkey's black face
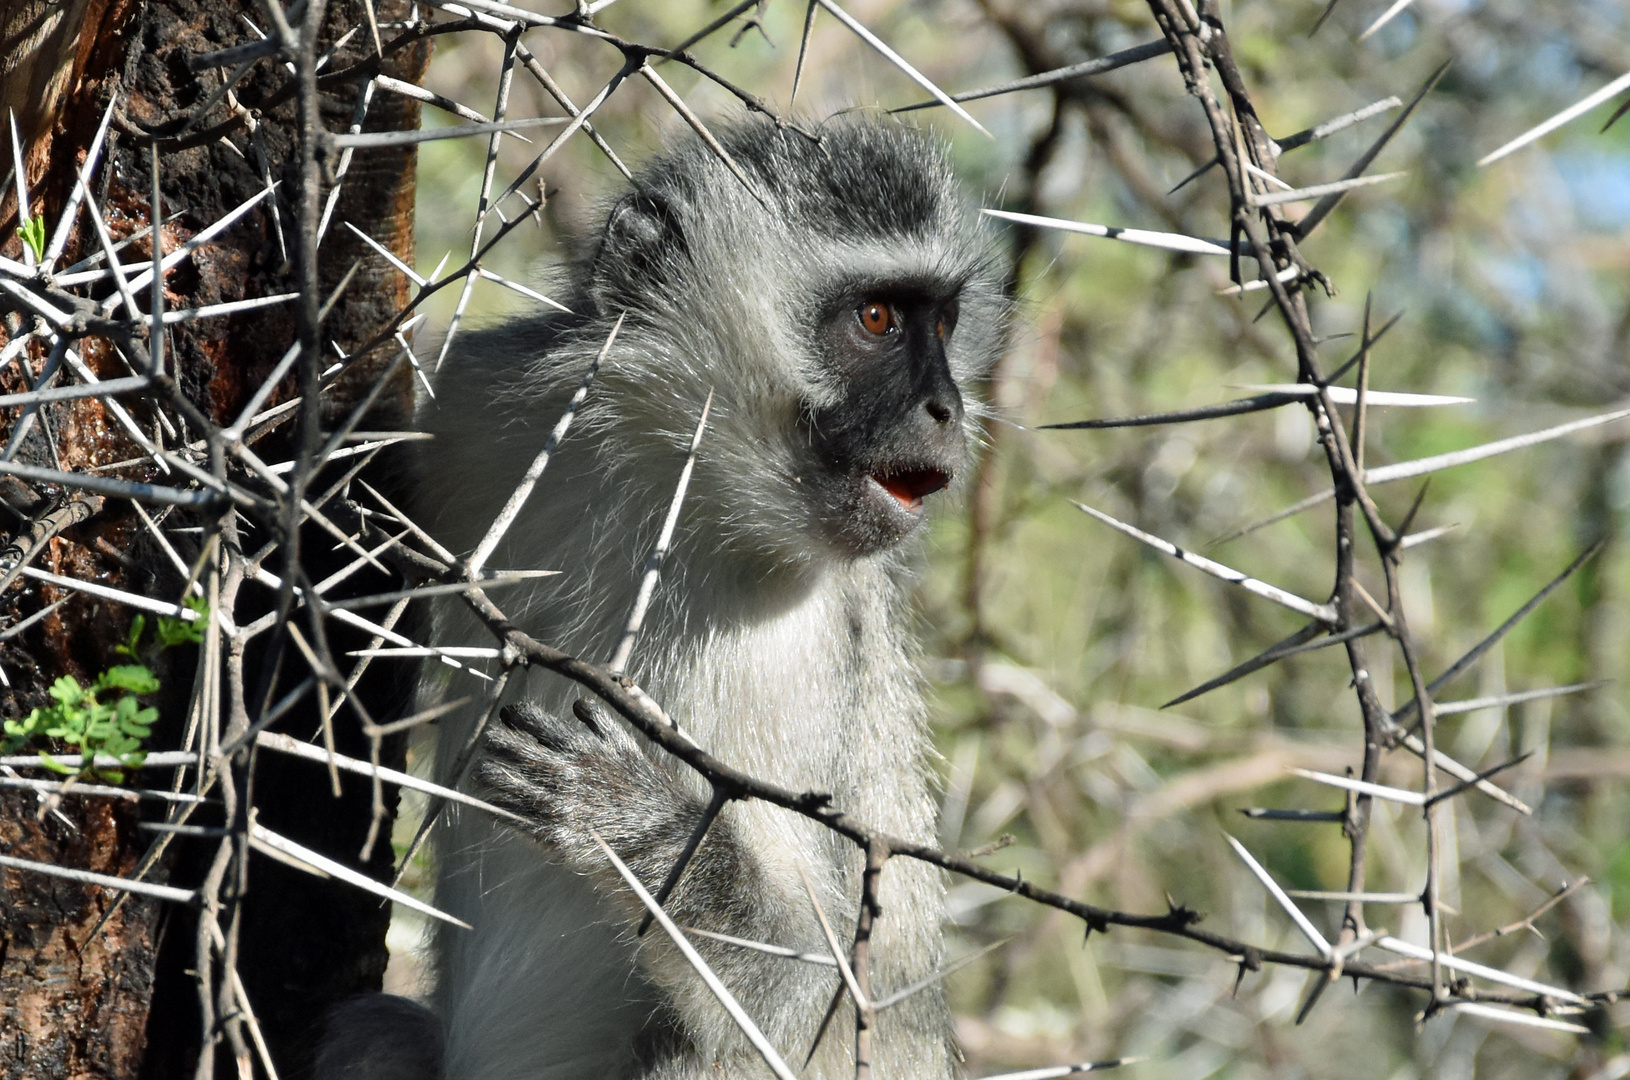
column 895, row 436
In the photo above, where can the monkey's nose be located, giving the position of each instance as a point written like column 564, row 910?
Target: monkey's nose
column 942, row 408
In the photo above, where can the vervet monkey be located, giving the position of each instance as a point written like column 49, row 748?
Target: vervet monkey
column 837, row 312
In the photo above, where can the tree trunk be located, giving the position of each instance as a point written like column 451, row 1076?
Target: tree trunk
column 118, row 1000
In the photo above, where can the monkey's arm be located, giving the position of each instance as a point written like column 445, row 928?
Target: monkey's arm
column 566, row 778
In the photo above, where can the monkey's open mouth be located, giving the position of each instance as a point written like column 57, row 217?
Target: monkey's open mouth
column 908, row 486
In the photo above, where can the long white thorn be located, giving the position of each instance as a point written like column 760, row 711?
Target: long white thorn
column 899, row 61
column 107, row 592
column 1501, row 701
column 262, row 392
column 285, row 850
column 524, row 290
column 838, row 955
column 203, row 237
column 106, row 881
column 1522, row 1019
column 1323, row 612
column 653, row 567
column 1482, row 971
column 1307, row 928
column 1571, row 112
column 20, row 174
column 1319, row 191
column 823, row 959
column 273, row 741
column 1365, row 787
column 1192, row 245
column 689, row 116
column 65, row 223
column 731, row 1006
column 1346, row 395
column 389, row 255
column 1052, row 1072
column 1421, row 466
column 412, row 652
column 1386, row 16
column 523, row 491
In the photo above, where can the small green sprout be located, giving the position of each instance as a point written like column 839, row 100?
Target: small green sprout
column 105, row 718
column 173, row 632
column 32, row 232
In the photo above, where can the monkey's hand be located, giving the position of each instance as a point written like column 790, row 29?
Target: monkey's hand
column 570, row 778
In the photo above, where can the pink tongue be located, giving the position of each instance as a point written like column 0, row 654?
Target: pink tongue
column 905, row 498
column 910, row 487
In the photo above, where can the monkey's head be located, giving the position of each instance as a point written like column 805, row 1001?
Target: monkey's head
column 838, row 310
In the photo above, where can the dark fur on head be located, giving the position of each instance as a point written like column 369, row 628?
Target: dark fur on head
column 853, row 182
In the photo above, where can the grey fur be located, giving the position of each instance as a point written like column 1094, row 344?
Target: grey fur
column 380, row 1037
column 779, row 637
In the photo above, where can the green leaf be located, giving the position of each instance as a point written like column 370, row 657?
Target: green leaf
column 90, row 726
column 133, row 641
column 53, row 764
column 173, row 632
column 67, row 690
column 67, row 727
column 132, row 678
column 132, row 719
column 32, row 232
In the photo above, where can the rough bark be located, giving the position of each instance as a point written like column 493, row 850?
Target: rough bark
column 123, row 1003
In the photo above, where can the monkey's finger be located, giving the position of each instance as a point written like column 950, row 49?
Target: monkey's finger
column 526, row 716
column 532, row 795
column 532, row 722
column 526, row 753
column 585, row 711
column 607, row 728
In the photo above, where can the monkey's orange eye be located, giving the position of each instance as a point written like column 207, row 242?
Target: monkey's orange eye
column 877, row 318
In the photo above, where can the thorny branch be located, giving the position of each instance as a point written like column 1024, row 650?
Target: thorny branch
column 633, row 705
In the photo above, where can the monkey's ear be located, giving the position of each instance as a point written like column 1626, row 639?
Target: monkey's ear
column 640, row 230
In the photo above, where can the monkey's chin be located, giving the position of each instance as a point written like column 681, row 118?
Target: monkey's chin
column 883, row 509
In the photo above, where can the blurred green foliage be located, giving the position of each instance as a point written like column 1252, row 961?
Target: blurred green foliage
column 32, row 234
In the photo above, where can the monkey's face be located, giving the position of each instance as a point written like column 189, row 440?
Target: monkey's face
column 822, row 311
column 895, row 433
